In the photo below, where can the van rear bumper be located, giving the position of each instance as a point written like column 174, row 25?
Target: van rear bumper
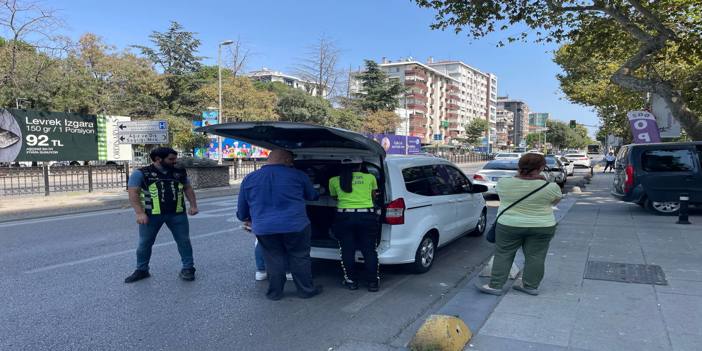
column 636, row 195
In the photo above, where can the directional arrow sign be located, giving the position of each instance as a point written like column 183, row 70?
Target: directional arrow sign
column 142, row 132
column 142, row 126
column 143, row 138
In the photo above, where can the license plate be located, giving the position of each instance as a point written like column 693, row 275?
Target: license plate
column 494, row 179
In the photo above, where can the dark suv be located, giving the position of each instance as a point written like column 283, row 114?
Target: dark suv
column 655, row 175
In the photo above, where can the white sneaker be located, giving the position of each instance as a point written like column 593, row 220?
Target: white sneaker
column 261, row 276
column 288, row 276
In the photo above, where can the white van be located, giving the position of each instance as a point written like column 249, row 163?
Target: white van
column 427, row 201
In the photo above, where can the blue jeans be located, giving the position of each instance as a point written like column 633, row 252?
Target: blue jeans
column 178, row 224
column 258, row 252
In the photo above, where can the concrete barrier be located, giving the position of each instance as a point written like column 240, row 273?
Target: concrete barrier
column 441, row 333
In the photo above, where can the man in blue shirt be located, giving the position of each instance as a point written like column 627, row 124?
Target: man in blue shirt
column 272, row 200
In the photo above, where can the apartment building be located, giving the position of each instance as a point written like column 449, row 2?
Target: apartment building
column 537, row 121
column 520, row 109
column 441, row 98
column 504, row 129
column 477, row 95
column 267, row 75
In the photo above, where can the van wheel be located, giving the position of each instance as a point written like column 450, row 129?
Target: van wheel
column 424, row 257
column 480, row 227
column 663, row 208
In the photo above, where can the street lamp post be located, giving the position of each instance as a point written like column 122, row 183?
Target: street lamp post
column 219, row 79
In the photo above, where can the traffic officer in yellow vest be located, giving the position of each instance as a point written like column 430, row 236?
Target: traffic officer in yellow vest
column 356, row 224
column 156, row 193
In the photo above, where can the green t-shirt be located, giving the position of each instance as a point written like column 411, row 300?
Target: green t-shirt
column 534, row 211
column 361, row 195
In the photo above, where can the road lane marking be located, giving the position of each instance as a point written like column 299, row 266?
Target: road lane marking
column 118, row 253
column 367, row 299
column 88, row 214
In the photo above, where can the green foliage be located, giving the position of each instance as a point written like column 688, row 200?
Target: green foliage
column 475, row 130
column 613, row 53
column 561, row 136
column 241, row 101
column 381, row 122
column 181, row 133
column 346, row 118
column 298, row 106
column 378, row 93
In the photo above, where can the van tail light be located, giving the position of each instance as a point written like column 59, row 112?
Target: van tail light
column 478, row 177
column 629, row 178
column 395, row 212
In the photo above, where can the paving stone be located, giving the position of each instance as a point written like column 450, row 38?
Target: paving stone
column 683, row 313
column 681, row 287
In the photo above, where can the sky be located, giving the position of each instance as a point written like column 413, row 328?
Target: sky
column 279, row 33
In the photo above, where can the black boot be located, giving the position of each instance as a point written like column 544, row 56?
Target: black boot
column 187, row 274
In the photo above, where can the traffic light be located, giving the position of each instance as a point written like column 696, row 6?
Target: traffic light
column 572, row 123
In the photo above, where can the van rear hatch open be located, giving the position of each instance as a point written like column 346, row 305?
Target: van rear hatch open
column 318, row 151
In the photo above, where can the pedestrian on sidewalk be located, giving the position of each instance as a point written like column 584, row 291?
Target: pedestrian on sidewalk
column 529, row 225
column 156, row 193
column 356, row 224
column 609, row 159
column 273, row 199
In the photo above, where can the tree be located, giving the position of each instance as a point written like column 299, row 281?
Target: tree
column 321, row 68
column 298, row 106
column 241, row 101
column 27, row 52
column 381, row 122
column 236, row 57
column 346, row 118
column 181, row 134
column 534, row 140
column 475, row 130
column 378, row 93
column 175, row 52
column 660, row 31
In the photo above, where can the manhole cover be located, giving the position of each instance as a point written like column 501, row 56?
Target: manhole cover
column 625, row 272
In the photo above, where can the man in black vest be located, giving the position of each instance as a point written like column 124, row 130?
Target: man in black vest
column 156, row 193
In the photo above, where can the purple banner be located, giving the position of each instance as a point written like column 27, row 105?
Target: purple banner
column 395, row 144
column 644, row 127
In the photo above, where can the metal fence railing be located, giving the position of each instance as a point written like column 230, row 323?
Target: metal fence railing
column 239, row 170
column 468, row 158
column 17, row 181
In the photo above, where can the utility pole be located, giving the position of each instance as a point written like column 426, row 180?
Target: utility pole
column 219, row 79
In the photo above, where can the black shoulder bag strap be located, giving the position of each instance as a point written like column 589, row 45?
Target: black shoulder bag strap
column 520, row 200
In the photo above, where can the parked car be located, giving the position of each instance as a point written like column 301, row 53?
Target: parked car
column 557, row 170
column 427, row 202
column 579, row 160
column 655, row 175
column 507, row 155
column 569, row 166
column 493, row 171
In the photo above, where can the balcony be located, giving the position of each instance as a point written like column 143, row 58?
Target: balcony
column 454, row 125
column 418, row 131
column 417, row 96
column 418, row 120
column 453, row 97
column 452, row 107
column 452, row 88
column 416, row 84
column 416, row 73
column 417, row 107
column 452, row 116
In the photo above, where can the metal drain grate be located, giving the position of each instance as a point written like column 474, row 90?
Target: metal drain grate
column 625, row 272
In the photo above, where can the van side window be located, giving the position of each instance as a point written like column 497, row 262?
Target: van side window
column 668, row 161
column 426, row 180
column 458, row 180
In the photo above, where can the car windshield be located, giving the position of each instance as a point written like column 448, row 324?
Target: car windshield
column 575, row 155
column 503, row 165
column 550, row 161
column 507, row 155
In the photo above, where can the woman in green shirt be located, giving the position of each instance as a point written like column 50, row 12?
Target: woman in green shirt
column 356, row 224
column 529, row 225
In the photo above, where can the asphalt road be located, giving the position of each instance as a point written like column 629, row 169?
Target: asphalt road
column 62, row 287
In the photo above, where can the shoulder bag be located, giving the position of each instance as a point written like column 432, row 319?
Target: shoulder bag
column 490, row 236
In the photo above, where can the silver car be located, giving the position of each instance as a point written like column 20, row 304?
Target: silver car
column 493, row 171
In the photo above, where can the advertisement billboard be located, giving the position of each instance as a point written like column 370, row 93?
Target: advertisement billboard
column 27, row 135
column 109, row 147
column 395, row 144
column 231, row 148
column 644, row 127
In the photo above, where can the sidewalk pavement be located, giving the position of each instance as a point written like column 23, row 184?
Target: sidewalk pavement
column 573, row 313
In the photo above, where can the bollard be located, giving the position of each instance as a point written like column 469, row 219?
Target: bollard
column 683, row 212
